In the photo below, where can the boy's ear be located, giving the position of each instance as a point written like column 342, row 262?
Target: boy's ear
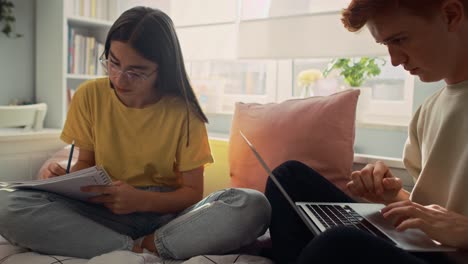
column 453, row 12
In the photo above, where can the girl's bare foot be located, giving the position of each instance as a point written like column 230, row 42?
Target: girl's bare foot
column 137, row 249
column 148, row 243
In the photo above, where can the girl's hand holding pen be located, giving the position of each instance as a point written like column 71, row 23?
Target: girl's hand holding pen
column 53, row 170
column 120, row 197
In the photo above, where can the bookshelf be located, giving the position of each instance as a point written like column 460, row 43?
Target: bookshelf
column 62, row 64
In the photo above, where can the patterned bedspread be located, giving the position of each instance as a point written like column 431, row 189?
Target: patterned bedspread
column 10, row 254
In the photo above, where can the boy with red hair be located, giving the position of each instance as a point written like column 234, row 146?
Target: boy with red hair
column 429, row 39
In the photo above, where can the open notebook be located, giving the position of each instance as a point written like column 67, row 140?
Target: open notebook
column 67, row 185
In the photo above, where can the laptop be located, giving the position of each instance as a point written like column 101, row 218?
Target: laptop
column 319, row 217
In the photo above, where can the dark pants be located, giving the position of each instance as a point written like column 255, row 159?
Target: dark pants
column 293, row 242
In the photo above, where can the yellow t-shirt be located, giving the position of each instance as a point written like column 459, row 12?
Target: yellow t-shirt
column 143, row 147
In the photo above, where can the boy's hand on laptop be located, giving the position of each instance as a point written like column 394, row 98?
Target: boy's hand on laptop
column 375, row 183
column 440, row 224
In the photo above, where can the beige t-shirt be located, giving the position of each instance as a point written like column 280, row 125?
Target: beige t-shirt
column 436, row 152
column 143, row 147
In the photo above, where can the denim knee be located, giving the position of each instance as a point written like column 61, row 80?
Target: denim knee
column 8, row 217
column 255, row 212
column 11, row 214
column 225, row 221
column 7, row 205
column 4, row 212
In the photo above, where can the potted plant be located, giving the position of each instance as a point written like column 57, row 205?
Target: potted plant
column 7, row 18
column 355, row 72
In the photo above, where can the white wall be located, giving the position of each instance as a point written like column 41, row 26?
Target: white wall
column 17, row 57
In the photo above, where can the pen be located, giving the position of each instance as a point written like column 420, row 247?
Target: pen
column 70, row 157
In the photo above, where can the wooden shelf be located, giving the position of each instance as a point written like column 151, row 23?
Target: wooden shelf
column 54, row 20
column 89, row 22
column 84, row 77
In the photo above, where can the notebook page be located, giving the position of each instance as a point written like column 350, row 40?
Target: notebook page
column 13, row 184
column 70, row 186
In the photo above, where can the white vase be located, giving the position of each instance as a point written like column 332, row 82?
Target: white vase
column 307, row 91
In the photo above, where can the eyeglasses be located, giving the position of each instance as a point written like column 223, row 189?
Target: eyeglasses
column 114, row 71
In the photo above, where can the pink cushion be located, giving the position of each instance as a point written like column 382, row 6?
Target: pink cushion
column 318, row 131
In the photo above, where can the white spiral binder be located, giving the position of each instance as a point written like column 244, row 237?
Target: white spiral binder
column 105, row 179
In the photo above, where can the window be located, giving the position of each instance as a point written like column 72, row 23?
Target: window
column 254, row 51
column 219, row 84
column 385, row 99
column 391, row 100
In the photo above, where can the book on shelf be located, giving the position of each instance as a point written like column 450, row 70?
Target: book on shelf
column 93, row 8
column 67, row 185
column 83, row 54
column 71, row 51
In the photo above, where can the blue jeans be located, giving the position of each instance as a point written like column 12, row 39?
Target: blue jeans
column 53, row 224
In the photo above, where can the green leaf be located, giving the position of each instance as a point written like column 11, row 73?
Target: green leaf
column 355, row 71
column 7, row 18
column 7, row 29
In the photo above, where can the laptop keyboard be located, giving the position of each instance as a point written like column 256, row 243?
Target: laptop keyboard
column 343, row 215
